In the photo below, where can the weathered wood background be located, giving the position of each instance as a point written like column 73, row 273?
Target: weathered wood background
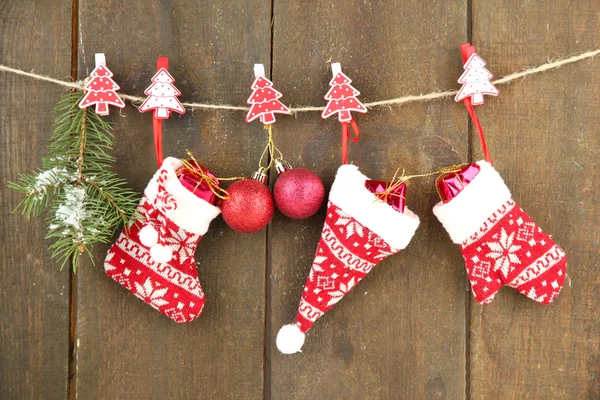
column 408, row 331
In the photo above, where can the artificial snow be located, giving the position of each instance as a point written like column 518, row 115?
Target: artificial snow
column 72, row 211
column 50, row 179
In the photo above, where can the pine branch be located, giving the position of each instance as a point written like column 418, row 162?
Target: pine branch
column 86, row 200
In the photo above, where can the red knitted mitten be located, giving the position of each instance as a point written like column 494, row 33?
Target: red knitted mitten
column 501, row 245
column 358, row 233
column 154, row 258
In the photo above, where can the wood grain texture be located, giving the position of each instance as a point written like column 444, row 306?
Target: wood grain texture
column 125, row 349
column 34, row 300
column 543, row 135
column 401, row 332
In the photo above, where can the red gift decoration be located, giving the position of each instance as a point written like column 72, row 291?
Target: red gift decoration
column 191, row 181
column 450, row 184
column 395, row 198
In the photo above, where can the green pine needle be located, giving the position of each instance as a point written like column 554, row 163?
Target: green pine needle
column 86, row 201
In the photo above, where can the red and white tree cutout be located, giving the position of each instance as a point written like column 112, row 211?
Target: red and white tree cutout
column 101, row 89
column 162, row 96
column 342, row 99
column 264, row 99
column 476, row 81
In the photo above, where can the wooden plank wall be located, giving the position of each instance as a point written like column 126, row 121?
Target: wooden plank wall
column 212, row 46
column 410, row 329
column 402, row 329
column 543, row 135
column 34, row 296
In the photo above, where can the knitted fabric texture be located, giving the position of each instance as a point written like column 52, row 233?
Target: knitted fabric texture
column 359, row 231
column 154, row 258
column 500, row 244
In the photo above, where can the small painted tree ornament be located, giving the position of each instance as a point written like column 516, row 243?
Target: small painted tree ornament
column 476, row 81
column 101, row 89
column 342, row 96
column 162, row 98
column 342, row 99
column 298, row 192
column 264, row 99
column 162, row 94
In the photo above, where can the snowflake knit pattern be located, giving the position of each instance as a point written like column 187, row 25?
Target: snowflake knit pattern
column 359, row 231
column 154, row 258
column 500, row 244
column 346, row 253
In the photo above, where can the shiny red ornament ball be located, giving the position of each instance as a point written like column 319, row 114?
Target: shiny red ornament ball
column 250, row 206
column 298, row 193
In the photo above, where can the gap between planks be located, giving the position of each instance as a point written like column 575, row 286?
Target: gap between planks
column 72, row 356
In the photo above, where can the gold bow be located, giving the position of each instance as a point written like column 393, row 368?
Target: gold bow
column 211, row 181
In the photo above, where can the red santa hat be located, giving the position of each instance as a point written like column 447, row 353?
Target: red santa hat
column 359, row 231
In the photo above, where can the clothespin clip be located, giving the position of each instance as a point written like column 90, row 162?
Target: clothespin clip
column 476, row 81
column 476, row 78
column 162, row 98
column 101, row 90
column 342, row 99
column 162, row 94
column 264, row 99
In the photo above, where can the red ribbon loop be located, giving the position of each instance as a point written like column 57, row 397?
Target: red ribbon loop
column 356, row 131
column 162, row 62
column 477, row 124
column 466, row 50
column 157, row 128
column 346, row 135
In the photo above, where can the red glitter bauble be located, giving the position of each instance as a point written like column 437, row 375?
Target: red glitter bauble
column 250, row 206
column 298, row 193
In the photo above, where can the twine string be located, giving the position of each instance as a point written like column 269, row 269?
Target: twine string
column 399, row 180
column 396, row 101
column 270, row 149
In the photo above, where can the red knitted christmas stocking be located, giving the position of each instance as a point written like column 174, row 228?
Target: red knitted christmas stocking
column 358, row 233
column 154, row 258
column 501, row 245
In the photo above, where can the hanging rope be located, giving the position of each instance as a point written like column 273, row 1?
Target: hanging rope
column 396, row 101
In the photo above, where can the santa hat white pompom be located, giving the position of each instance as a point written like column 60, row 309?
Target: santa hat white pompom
column 148, row 236
column 161, row 253
column 290, row 339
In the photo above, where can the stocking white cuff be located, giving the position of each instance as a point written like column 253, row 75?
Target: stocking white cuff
column 351, row 195
column 465, row 214
column 191, row 213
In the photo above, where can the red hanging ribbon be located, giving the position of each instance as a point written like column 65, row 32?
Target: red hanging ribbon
column 346, row 135
column 466, row 50
column 157, row 128
column 163, row 62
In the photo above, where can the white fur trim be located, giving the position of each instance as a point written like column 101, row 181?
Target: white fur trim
column 148, row 236
column 465, row 214
column 161, row 253
column 350, row 194
column 290, row 339
column 192, row 213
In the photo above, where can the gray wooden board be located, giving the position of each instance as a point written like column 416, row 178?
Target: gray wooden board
column 124, row 347
column 543, row 135
column 410, row 329
column 401, row 332
column 34, row 300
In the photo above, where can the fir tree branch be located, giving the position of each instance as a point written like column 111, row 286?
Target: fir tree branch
column 122, row 214
column 86, row 200
column 81, row 145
